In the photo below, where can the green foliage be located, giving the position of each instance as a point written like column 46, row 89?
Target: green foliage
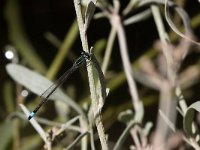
column 90, row 111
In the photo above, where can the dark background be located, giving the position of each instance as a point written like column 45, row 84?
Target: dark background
column 41, row 16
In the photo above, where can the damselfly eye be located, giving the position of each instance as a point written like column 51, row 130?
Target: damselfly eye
column 86, row 55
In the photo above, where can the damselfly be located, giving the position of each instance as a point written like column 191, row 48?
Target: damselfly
column 45, row 96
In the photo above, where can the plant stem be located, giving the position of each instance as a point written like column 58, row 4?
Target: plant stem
column 116, row 22
column 85, row 46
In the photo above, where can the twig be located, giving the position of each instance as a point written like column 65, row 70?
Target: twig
column 108, row 50
column 83, row 36
column 76, row 141
column 124, row 135
column 137, row 18
column 116, row 22
column 37, row 127
column 167, row 85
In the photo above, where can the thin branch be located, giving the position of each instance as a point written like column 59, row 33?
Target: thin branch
column 116, row 22
column 124, row 135
column 37, row 127
column 83, row 36
column 76, row 141
column 108, row 50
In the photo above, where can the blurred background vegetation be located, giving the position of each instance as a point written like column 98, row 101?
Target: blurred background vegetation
column 43, row 35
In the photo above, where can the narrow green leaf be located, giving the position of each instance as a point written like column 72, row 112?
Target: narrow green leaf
column 147, row 128
column 126, row 116
column 89, row 14
column 85, row 2
column 189, row 117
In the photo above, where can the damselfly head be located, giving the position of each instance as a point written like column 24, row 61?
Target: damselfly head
column 86, row 55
